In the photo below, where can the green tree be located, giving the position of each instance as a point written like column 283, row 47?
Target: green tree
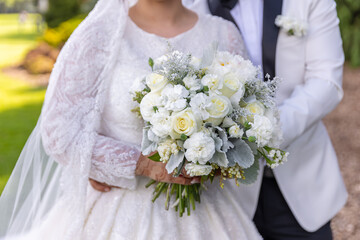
column 61, row 10
column 349, row 14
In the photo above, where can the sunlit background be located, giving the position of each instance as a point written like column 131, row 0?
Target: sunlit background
column 32, row 33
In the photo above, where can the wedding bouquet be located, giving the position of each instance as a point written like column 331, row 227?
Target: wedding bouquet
column 208, row 117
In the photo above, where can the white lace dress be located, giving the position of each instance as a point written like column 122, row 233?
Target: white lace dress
column 128, row 212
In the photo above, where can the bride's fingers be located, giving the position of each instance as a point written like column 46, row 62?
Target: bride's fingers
column 101, row 187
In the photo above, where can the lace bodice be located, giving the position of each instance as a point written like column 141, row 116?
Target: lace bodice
column 118, row 137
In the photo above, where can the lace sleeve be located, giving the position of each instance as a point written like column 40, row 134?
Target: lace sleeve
column 114, row 162
column 235, row 42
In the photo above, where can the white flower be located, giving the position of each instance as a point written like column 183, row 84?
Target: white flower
column 148, row 105
column 193, row 169
column 158, row 62
column 219, row 108
column 200, row 148
column 261, row 129
column 212, row 81
column 277, row 136
column 255, row 107
column 184, row 122
column 228, row 122
column 235, row 131
column 161, row 123
column 199, row 104
column 291, row 26
column 231, row 84
column 192, row 83
column 173, row 97
column 167, row 148
column 156, row 82
column 195, row 62
column 222, row 64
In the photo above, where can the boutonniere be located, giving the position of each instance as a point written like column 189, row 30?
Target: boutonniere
column 291, row 26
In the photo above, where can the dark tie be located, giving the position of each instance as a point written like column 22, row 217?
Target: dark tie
column 272, row 8
column 222, row 8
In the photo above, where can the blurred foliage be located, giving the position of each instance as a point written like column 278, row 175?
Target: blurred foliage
column 61, row 10
column 349, row 14
column 57, row 36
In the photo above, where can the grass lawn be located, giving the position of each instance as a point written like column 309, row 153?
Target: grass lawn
column 20, row 103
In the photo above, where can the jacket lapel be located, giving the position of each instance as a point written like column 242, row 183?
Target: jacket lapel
column 272, row 8
column 222, row 9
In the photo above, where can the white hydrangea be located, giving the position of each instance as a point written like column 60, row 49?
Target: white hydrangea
column 261, row 129
column 213, row 82
column 173, row 97
column 235, row 131
column 192, row 83
column 199, row 103
column 193, row 169
column 148, row 104
column 200, row 148
column 291, row 25
column 161, row 123
column 167, row 148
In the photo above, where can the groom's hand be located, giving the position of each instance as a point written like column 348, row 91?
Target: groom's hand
column 156, row 170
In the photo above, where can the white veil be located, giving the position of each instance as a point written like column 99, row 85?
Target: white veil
column 55, row 161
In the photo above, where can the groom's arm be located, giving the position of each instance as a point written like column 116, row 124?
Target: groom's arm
column 322, row 90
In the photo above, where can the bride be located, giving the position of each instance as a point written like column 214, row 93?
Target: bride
column 87, row 131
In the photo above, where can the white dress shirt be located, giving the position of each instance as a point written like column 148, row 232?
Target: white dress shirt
column 248, row 15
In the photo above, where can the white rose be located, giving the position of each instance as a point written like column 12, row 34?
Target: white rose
column 148, row 105
column 255, row 107
column 161, row 123
column 219, row 108
column 261, row 129
column 212, row 81
column 184, row 122
column 199, row 104
column 200, row 148
column 156, row 82
column 173, row 97
column 193, row 169
column 231, row 84
column 192, row 83
column 236, row 132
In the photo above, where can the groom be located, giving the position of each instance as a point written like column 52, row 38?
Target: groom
column 298, row 199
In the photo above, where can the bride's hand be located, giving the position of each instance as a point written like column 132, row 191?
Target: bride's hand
column 156, row 170
column 101, row 187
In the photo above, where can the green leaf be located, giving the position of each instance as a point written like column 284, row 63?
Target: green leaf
column 156, row 157
column 183, row 137
column 151, row 63
column 252, row 139
column 206, row 88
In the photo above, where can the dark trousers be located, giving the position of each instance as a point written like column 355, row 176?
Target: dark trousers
column 275, row 221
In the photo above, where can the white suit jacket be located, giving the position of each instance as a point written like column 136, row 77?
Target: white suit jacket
column 311, row 68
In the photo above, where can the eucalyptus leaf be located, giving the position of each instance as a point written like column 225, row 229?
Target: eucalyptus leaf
column 226, row 143
column 219, row 159
column 147, row 146
column 251, row 174
column 174, row 161
column 240, row 154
